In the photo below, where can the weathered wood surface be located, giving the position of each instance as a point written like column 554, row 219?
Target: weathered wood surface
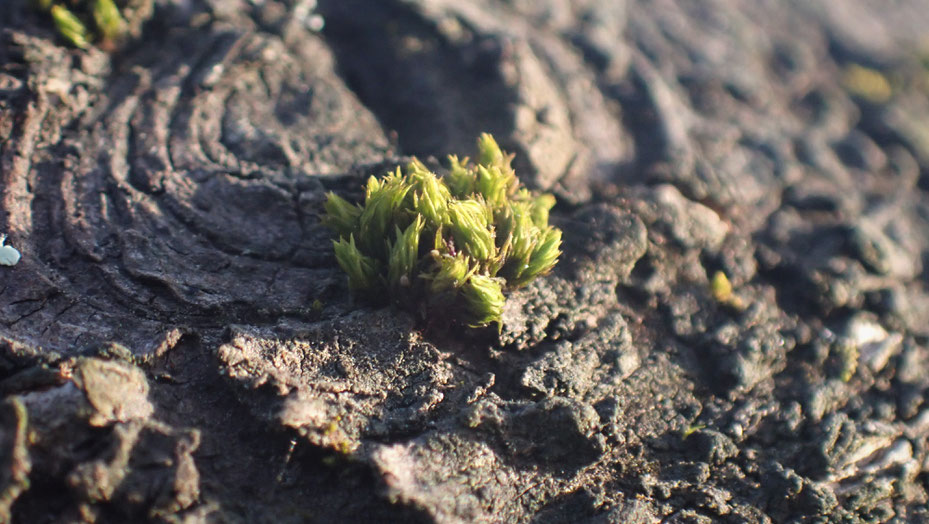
column 177, row 343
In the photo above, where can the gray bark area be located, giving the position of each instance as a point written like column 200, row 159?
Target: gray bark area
column 177, row 343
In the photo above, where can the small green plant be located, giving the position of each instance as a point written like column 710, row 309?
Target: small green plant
column 73, row 17
column 691, row 429
column 454, row 243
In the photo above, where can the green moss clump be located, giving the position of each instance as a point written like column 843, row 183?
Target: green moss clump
column 82, row 21
column 452, row 243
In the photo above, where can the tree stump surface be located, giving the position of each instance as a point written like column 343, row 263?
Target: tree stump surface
column 177, row 342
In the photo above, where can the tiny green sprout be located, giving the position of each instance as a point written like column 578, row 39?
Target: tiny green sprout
column 484, row 297
column 452, row 272
column 70, row 26
column 81, row 21
column 846, row 356
column 106, row 17
column 541, row 205
column 869, row 84
column 459, row 180
column 472, row 229
column 721, row 289
column 362, row 270
column 404, row 255
column 340, row 215
column 544, row 256
column 453, row 244
column 690, row 430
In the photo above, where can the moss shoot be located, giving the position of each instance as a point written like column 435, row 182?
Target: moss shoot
column 452, row 244
column 83, row 21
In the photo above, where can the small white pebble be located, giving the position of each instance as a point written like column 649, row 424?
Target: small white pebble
column 735, row 431
column 9, row 256
column 303, row 12
column 315, row 23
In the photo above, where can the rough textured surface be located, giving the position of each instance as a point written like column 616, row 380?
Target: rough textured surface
column 177, row 343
